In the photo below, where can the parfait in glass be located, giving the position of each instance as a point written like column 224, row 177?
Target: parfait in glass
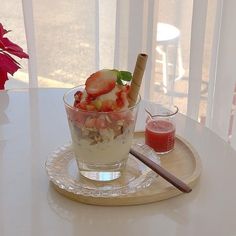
column 102, row 124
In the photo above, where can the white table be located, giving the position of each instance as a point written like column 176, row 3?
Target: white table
column 33, row 123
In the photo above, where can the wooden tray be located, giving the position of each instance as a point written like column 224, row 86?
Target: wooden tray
column 183, row 162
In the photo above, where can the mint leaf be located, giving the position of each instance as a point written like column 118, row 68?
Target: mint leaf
column 119, row 81
column 122, row 76
column 125, row 75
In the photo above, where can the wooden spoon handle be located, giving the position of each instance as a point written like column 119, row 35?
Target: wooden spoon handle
column 162, row 172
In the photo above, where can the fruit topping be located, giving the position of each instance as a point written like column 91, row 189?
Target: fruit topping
column 105, row 91
column 100, row 83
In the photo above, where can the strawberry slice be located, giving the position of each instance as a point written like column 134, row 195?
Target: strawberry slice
column 101, row 82
column 78, row 95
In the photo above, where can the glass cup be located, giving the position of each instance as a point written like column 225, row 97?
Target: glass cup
column 160, row 129
column 101, row 140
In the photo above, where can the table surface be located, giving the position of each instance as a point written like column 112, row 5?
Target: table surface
column 33, row 124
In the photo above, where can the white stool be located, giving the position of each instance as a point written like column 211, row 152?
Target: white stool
column 168, row 36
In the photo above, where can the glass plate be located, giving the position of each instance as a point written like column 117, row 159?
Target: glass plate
column 63, row 172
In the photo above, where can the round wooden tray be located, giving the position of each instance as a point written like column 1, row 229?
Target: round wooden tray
column 183, row 162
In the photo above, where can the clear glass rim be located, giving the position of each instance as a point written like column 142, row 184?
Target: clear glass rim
column 171, row 113
column 100, row 112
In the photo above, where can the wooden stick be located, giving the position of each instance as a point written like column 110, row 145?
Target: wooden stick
column 162, row 172
column 137, row 78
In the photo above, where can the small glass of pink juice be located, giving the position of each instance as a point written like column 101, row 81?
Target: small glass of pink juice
column 160, row 130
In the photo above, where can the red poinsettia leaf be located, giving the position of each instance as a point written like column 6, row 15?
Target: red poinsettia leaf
column 3, row 78
column 2, row 31
column 11, row 58
column 18, row 54
column 13, row 48
column 8, row 64
column 1, row 44
column 9, row 44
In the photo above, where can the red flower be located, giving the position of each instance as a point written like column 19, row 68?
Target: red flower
column 7, row 63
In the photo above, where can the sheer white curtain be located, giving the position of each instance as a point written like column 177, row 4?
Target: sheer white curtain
column 221, row 80
column 221, row 116
column 75, row 38
column 68, row 40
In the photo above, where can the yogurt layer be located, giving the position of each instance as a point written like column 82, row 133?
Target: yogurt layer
column 110, row 150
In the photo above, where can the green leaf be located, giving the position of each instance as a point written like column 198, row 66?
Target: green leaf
column 119, row 81
column 125, row 75
column 122, row 76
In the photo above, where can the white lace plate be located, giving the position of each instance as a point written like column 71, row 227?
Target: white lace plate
column 63, row 172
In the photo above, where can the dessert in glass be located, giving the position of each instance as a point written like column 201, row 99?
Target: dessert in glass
column 101, row 123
